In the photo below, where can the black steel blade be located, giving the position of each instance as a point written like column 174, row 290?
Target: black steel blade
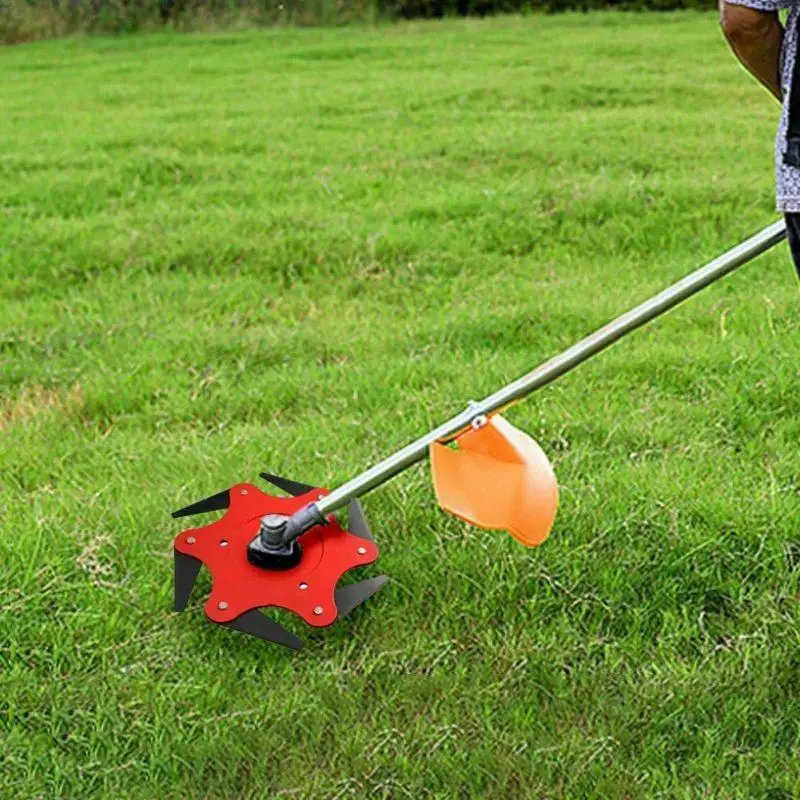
column 262, row 627
column 357, row 522
column 292, row 487
column 352, row 596
column 214, row 503
column 186, row 569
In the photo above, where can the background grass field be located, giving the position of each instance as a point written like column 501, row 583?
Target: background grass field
column 297, row 250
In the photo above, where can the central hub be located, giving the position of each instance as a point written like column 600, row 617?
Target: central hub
column 272, row 528
column 268, row 549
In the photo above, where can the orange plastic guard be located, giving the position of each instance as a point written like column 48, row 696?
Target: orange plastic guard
column 497, row 478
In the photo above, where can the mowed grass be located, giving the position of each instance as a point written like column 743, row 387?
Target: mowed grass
column 297, row 250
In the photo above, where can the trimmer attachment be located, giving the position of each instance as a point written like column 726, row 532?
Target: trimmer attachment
column 290, row 552
column 302, row 580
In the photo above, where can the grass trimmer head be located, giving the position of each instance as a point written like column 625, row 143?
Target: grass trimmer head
column 302, row 579
column 290, row 552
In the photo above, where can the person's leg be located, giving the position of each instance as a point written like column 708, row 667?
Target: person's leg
column 793, row 236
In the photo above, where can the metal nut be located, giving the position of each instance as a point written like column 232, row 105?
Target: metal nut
column 479, row 422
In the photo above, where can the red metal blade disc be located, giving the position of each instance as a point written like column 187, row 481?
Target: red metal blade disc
column 237, row 586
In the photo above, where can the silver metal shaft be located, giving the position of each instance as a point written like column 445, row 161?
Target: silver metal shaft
column 557, row 366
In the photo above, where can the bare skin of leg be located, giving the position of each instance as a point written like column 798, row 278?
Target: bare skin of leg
column 755, row 38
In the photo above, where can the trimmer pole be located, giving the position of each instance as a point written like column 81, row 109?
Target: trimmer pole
column 539, row 377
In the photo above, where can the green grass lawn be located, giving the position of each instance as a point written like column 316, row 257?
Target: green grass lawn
column 297, row 250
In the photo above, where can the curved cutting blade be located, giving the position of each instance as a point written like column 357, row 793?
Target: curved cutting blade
column 186, row 569
column 256, row 624
column 217, row 502
column 357, row 522
column 290, row 487
column 354, row 594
